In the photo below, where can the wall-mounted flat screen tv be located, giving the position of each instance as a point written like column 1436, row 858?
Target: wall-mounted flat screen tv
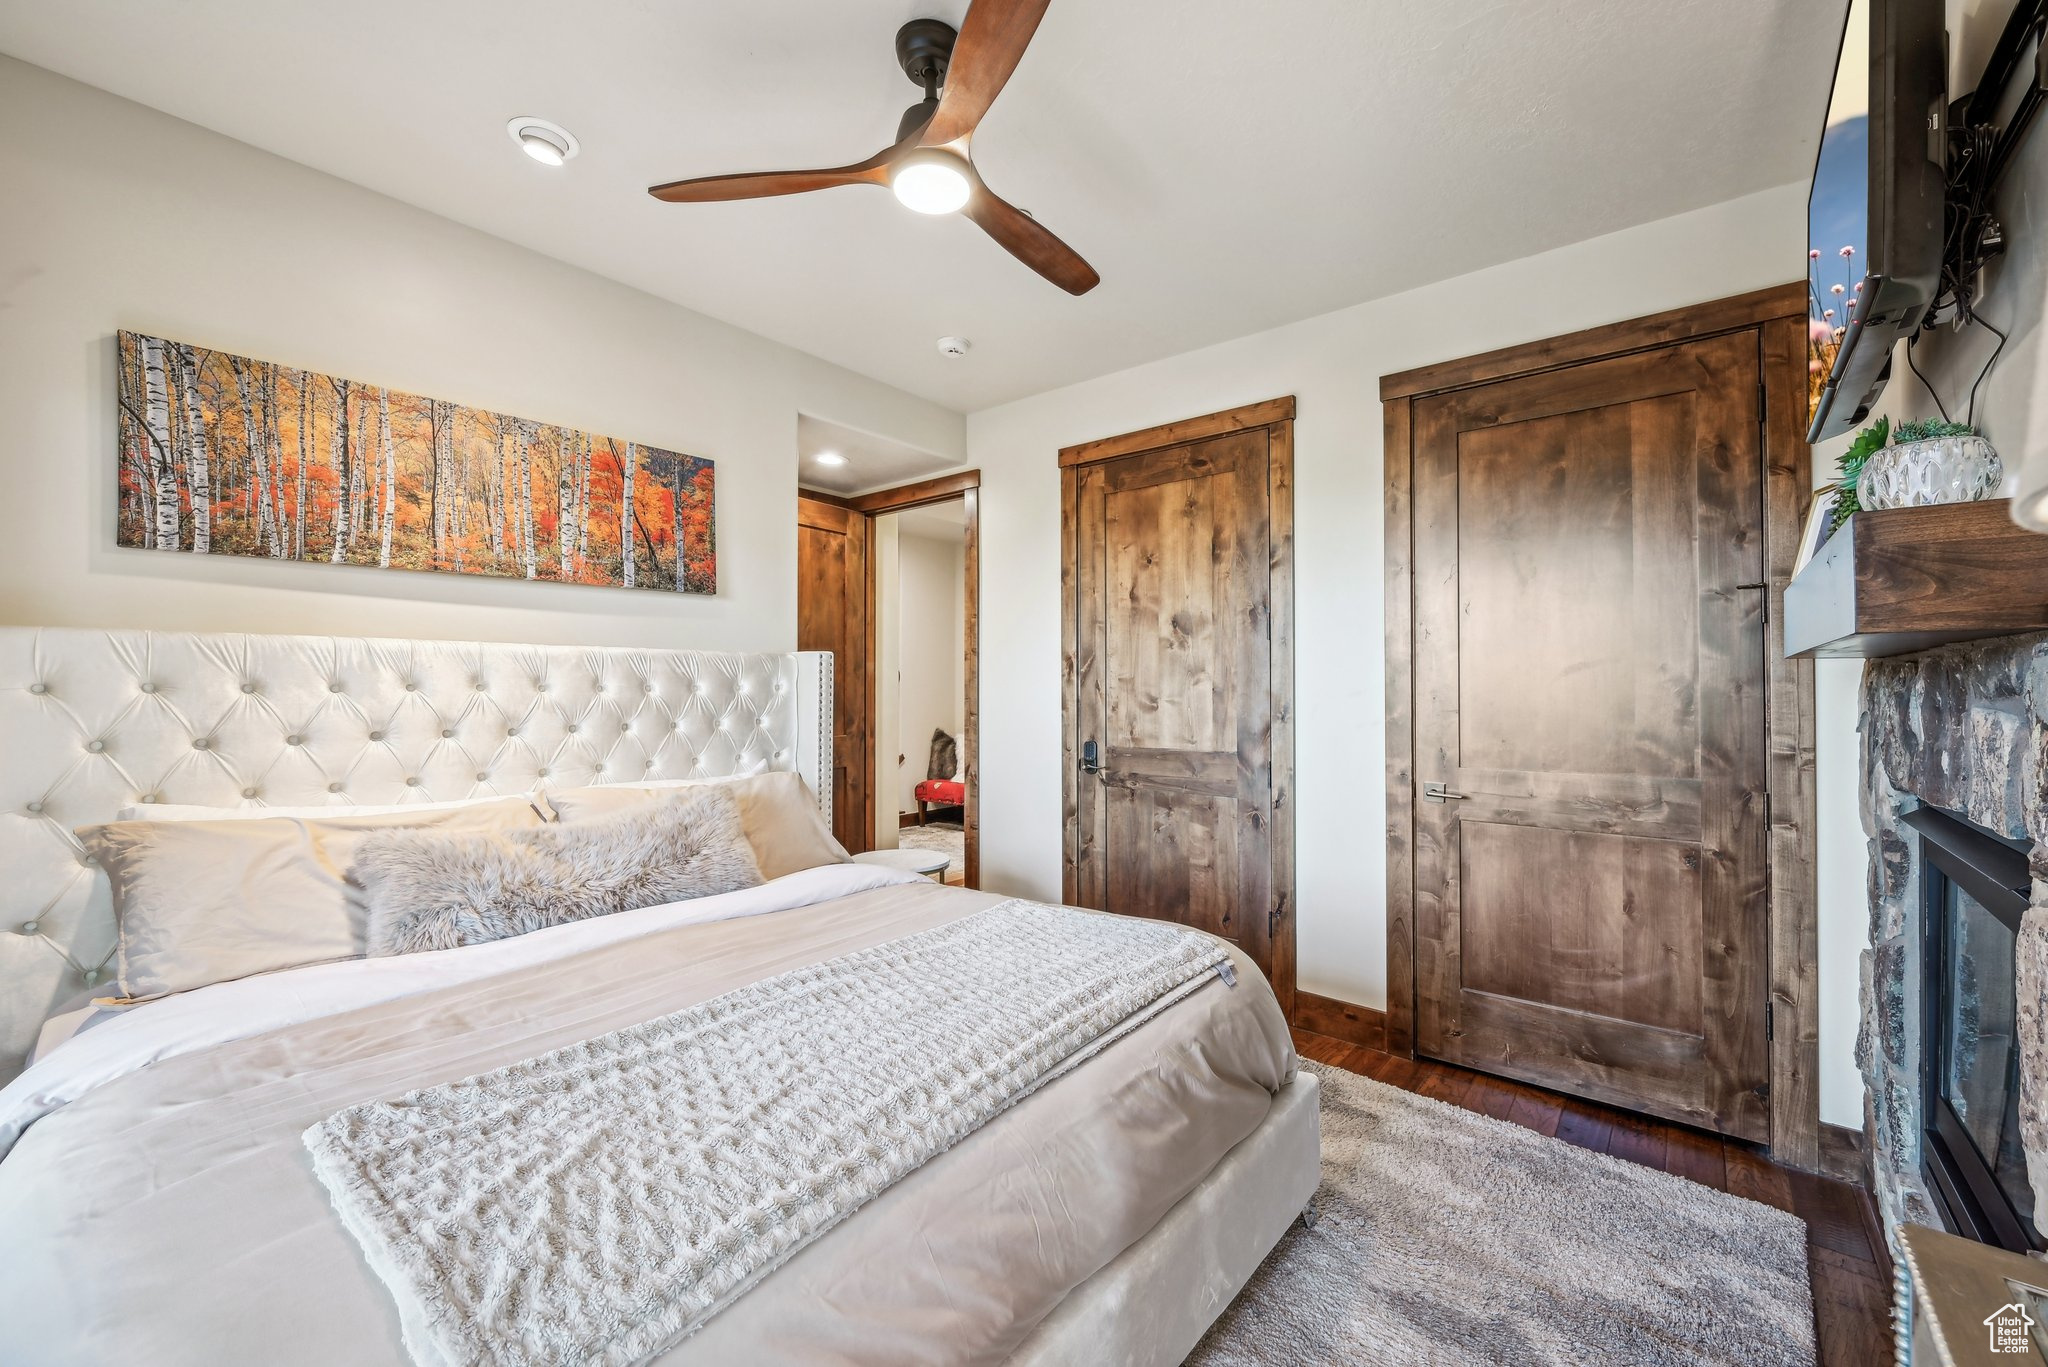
column 1874, row 214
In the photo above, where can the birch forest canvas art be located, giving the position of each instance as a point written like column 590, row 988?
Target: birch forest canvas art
column 224, row 455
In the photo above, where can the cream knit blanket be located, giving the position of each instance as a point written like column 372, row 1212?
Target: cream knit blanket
column 597, row 1203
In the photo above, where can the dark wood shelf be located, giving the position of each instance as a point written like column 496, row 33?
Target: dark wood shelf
column 1907, row 579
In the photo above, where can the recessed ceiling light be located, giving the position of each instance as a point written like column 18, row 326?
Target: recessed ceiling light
column 829, row 458
column 547, row 143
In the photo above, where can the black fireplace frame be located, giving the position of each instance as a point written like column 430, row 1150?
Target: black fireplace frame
column 1993, row 871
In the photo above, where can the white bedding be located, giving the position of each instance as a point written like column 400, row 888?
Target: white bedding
column 246, row 1007
column 171, row 1216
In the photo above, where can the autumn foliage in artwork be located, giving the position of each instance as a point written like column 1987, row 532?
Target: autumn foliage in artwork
column 223, row 455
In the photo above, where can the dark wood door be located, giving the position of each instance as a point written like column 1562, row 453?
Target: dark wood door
column 1174, row 654
column 832, row 614
column 1589, row 676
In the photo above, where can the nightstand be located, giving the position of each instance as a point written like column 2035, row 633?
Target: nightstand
column 927, row 862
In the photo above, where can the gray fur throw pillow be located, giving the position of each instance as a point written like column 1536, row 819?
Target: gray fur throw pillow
column 945, row 756
column 432, row 890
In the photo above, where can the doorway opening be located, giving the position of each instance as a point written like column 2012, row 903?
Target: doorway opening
column 889, row 581
column 920, row 564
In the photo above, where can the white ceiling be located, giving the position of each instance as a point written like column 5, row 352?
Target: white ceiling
column 1226, row 166
column 934, row 521
column 872, row 462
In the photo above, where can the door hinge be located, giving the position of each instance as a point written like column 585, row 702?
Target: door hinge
column 1770, row 1021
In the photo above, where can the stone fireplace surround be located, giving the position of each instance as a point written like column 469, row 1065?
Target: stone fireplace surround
column 1963, row 728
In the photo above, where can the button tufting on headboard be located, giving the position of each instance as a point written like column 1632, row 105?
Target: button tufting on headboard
column 95, row 721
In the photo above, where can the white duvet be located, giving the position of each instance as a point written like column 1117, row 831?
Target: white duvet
column 229, row 1011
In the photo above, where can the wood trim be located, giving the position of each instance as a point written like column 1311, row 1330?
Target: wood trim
column 966, row 486
column 1208, row 425
column 1597, row 343
column 1400, row 732
column 1779, row 315
column 970, row 815
column 1341, row 1020
column 824, row 516
column 907, row 821
column 935, row 490
column 871, row 762
column 1842, row 1156
column 1794, row 931
column 1070, row 625
column 1280, row 748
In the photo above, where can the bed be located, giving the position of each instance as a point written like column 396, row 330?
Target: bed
column 158, row 1200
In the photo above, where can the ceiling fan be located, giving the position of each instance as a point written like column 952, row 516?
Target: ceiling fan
column 929, row 166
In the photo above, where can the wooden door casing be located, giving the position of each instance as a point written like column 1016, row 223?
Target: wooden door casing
column 1178, row 588
column 833, row 591
column 964, row 485
column 1589, row 671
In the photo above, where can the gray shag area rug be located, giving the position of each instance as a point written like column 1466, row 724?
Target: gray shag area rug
column 1452, row 1239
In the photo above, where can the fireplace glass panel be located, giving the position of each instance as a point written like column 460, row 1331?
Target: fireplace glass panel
column 1980, row 1062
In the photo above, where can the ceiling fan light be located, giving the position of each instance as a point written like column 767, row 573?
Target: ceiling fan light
column 931, row 183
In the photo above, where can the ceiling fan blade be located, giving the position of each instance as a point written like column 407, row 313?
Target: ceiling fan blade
column 1022, row 236
column 992, row 40
column 762, row 184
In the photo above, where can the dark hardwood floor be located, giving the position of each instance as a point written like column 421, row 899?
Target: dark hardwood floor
column 1846, row 1254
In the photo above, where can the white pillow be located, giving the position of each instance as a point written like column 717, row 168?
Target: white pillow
column 198, row 902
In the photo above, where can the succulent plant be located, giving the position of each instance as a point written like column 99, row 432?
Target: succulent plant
column 1924, row 429
column 1867, row 444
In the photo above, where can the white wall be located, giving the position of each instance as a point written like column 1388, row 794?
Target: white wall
column 1332, row 364
column 932, row 631
column 114, row 216
column 885, row 549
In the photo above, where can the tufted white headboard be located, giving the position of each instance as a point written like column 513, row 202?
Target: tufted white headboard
column 94, row 721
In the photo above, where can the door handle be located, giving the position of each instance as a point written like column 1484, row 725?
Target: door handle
column 1091, row 758
column 1441, row 792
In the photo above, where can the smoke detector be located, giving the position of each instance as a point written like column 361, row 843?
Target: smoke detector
column 953, row 346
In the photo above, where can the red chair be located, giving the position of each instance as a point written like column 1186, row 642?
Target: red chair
column 938, row 792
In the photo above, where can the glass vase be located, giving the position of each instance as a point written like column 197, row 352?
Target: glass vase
column 1936, row 470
